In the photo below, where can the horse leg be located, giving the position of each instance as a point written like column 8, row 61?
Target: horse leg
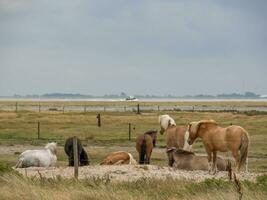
column 236, row 156
column 170, row 157
column 214, row 162
column 209, row 161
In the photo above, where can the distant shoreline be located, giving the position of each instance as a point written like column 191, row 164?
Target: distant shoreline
column 139, row 100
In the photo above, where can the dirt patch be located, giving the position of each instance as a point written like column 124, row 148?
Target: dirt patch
column 7, row 115
column 129, row 173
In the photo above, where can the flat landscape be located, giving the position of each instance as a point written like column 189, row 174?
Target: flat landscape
column 19, row 132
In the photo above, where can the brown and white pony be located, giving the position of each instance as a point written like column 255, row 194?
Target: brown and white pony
column 215, row 138
column 189, row 161
column 144, row 146
column 176, row 136
column 119, row 158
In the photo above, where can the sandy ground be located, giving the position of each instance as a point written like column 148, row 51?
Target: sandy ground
column 128, row 173
column 118, row 172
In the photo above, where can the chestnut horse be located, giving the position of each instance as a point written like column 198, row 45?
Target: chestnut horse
column 144, row 146
column 215, row 138
column 176, row 136
column 189, row 161
column 118, row 158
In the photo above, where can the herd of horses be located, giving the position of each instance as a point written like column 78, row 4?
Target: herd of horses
column 179, row 141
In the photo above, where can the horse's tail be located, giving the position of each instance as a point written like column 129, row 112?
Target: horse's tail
column 143, row 152
column 244, row 149
column 132, row 161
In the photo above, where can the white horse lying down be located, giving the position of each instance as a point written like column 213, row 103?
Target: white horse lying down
column 38, row 158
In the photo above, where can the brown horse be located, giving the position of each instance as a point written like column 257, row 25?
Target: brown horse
column 176, row 136
column 144, row 146
column 189, row 161
column 119, row 157
column 215, row 138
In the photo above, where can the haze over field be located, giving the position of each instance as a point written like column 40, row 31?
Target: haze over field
column 139, row 47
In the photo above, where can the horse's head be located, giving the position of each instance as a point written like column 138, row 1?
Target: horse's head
column 52, row 146
column 165, row 121
column 193, row 129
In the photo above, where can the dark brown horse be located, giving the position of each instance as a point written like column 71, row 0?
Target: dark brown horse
column 144, row 146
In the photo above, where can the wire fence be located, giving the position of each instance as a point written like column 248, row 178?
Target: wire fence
column 126, row 108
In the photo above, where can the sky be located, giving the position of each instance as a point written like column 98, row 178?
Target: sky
column 160, row 47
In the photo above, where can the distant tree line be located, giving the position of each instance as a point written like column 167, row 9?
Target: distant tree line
column 123, row 95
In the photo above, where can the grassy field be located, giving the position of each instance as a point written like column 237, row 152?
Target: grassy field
column 20, row 128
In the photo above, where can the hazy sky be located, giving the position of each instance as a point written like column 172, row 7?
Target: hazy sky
column 160, row 47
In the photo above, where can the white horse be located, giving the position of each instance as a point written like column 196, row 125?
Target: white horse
column 166, row 122
column 38, row 158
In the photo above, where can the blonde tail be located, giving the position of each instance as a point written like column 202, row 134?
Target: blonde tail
column 132, row 161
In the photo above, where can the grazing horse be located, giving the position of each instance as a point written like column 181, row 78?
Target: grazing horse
column 189, row 161
column 118, row 158
column 144, row 146
column 83, row 157
column 215, row 138
column 176, row 136
column 38, row 158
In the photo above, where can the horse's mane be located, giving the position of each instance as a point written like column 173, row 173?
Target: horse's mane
column 150, row 132
column 183, row 152
column 52, row 147
column 165, row 121
column 208, row 121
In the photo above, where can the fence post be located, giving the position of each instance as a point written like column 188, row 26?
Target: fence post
column 38, row 131
column 138, row 109
column 75, row 155
column 98, row 120
column 130, row 131
column 16, row 106
column 104, row 108
column 124, row 108
column 39, row 108
column 158, row 108
column 84, row 108
column 63, row 109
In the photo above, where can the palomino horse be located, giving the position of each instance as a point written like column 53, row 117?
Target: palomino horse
column 38, row 158
column 189, row 161
column 176, row 136
column 119, row 157
column 215, row 138
column 83, row 157
column 144, row 146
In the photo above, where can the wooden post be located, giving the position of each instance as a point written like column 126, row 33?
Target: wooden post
column 138, row 109
column 38, row 131
column 16, row 106
column 75, row 155
column 39, row 108
column 104, row 108
column 124, row 108
column 84, row 108
column 63, row 109
column 130, row 131
column 98, row 120
column 158, row 108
